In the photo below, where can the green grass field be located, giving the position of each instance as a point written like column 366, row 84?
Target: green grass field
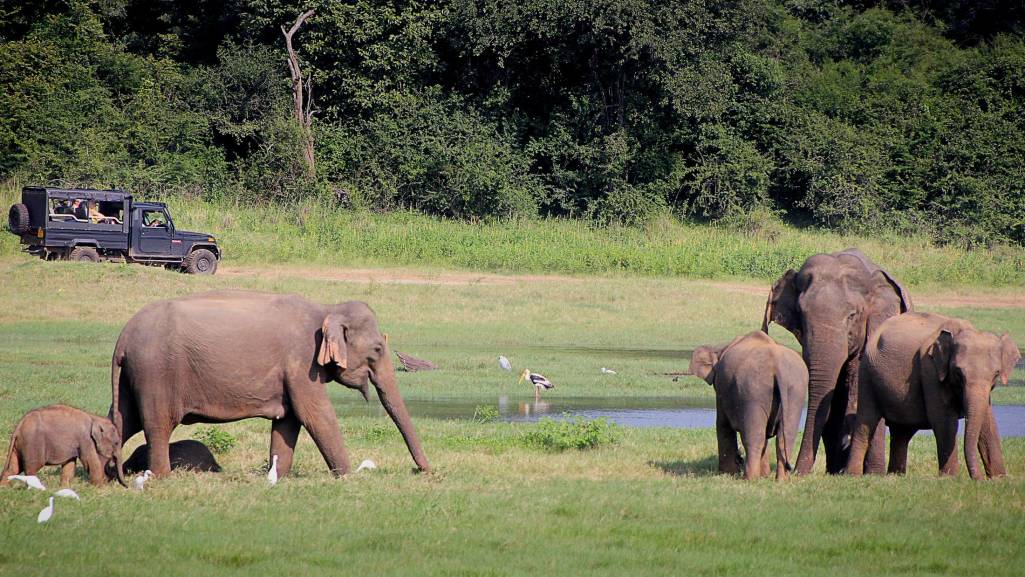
column 647, row 504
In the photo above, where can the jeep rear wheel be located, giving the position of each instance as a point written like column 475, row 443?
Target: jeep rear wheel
column 200, row 261
column 84, row 254
column 18, row 219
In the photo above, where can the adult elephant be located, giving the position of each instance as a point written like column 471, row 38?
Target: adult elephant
column 230, row 355
column 831, row 305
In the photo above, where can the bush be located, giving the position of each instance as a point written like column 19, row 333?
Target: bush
column 567, row 433
column 217, row 440
column 485, row 414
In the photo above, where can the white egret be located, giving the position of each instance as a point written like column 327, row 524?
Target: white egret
column 46, row 513
column 607, row 371
column 140, row 480
column 366, row 464
column 32, row 481
column 69, row 493
column 504, row 363
column 539, row 381
column 272, row 475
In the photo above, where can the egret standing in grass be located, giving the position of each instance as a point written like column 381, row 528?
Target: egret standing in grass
column 68, row 493
column 32, row 481
column 504, row 363
column 539, row 381
column 606, row 371
column 366, row 464
column 46, row 513
column 272, row 475
column 140, row 480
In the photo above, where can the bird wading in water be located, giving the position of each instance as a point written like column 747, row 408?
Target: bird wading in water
column 539, row 381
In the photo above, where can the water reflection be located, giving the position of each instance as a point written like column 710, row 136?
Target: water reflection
column 675, row 412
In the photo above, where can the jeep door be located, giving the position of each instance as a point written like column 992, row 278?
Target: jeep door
column 155, row 232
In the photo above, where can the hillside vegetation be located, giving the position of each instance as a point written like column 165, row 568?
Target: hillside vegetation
column 898, row 117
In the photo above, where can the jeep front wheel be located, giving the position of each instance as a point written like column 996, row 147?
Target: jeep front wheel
column 84, row 254
column 200, row 261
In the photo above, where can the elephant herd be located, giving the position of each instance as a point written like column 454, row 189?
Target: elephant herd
column 867, row 360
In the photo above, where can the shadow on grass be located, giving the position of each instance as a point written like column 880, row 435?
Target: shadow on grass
column 706, row 467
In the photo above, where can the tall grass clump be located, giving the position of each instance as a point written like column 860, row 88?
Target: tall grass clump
column 553, row 435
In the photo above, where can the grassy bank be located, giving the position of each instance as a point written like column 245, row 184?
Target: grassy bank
column 649, row 503
column 315, row 233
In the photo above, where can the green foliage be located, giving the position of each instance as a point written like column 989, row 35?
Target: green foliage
column 572, row 433
column 485, row 414
column 852, row 116
column 216, row 439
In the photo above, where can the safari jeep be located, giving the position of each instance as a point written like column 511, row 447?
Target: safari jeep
column 95, row 225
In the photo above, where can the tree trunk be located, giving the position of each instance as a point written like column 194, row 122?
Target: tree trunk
column 303, row 110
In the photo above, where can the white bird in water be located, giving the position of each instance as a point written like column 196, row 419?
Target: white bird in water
column 46, row 513
column 504, row 363
column 32, row 481
column 272, row 475
column 607, row 371
column 69, row 493
column 140, row 480
column 539, row 381
column 366, row 464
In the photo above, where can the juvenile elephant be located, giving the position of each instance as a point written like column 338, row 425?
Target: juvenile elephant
column 925, row 371
column 759, row 392
column 831, row 305
column 58, row 435
column 230, row 355
column 189, row 454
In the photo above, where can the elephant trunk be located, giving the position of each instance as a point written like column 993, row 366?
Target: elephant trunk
column 976, row 407
column 119, row 467
column 388, row 391
column 825, row 360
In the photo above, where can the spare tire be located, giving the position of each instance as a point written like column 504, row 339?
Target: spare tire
column 18, row 219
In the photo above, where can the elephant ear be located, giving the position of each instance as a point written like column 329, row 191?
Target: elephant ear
column 905, row 299
column 702, row 363
column 1009, row 357
column 104, row 436
column 781, row 307
column 939, row 352
column 332, row 345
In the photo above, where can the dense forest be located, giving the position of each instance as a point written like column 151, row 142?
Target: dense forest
column 900, row 116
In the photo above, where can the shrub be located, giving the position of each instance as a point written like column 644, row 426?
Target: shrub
column 567, row 433
column 485, row 414
column 217, row 440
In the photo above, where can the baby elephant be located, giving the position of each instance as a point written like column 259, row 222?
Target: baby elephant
column 189, row 454
column 926, row 371
column 57, row 435
column 760, row 387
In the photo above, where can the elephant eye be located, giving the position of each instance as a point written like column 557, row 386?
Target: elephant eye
column 378, row 349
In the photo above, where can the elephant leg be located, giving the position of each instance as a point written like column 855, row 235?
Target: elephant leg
column 867, row 425
column 13, row 466
column 945, row 431
column 754, row 438
column 989, row 447
column 93, row 465
column 283, row 435
column 729, row 453
column 317, row 415
column 158, row 438
column 67, row 473
column 833, row 434
column 900, row 437
column 766, row 468
column 875, row 458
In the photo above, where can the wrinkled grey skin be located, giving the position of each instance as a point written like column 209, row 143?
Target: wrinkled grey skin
column 58, row 435
column 925, row 371
column 229, row 355
column 190, row 455
column 760, row 388
column 831, row 305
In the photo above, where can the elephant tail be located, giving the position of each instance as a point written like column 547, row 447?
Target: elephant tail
column 13, row 465
column 781, row 422
column 115, row 389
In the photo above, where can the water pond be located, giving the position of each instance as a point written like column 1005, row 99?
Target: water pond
column 675, row 412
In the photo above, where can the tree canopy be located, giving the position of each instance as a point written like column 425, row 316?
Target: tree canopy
column 904, row 115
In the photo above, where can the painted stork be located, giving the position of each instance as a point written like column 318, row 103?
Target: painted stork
column 539, row 381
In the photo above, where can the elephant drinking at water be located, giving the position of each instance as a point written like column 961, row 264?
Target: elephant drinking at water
column 230, row 355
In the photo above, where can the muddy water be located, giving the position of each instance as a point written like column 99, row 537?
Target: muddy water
column 674, row 412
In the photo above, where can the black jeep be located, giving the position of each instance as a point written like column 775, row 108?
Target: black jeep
column 95, row 225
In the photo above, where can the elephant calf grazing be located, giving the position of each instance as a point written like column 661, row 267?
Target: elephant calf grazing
column 58, row 435
column 760, row 387
column 925, row 371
